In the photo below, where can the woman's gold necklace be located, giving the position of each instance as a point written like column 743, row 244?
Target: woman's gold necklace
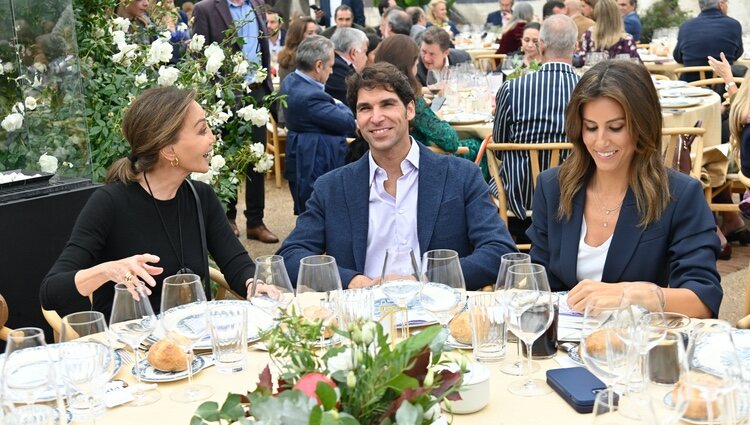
column 607, row 211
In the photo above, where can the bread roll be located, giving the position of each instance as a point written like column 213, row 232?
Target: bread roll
column 315, row 313
column 460, row 328
column 596, row 343
column 693, row 384
column 167, row 356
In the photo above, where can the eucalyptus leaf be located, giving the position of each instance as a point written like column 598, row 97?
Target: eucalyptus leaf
column 409, row 414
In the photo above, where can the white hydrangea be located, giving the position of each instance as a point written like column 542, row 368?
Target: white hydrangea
column 160, row 51
column 30, row 103
column 12, row 122
column 167, row 75
column 259, row 117
column 120, row 24
column 241, row 68
column 48, row 163
column 202, row 177
column 118, row 37
column 141, row 79
column 196, row 43
column 217, row 162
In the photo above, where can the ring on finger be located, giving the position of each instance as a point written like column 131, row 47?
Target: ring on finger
column 128, row 277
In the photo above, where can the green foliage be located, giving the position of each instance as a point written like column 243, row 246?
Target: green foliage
column 662, row 14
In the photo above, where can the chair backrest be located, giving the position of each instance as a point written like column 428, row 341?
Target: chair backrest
column 659, row 77
column 672, row 144
column 483, row 147
column 701, row 70
column 55, row 322
column 462, row 150
column 487, row 62
column 714, row 81
column 224, row 291
column 494, row 154
column 3, row 319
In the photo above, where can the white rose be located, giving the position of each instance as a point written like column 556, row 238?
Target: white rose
column 165, row 35
column 202, row 177
column 196, row 43
column 40, row 67
column 217, row 162
column 30, row 103
column 160, row 51
column 257, row 150
column 167, row 76
column 213, row 64
column 260, row 75
column 182, row 27
column 141, row 79
column 8, row 67
column 121, row 24
column 12, row 122
column 241, row 68
column 118, row 37
column 99, row 33
column 264, row 164
column 341, row 362
column 126, row 54
column 212, row 50
column 48, row 163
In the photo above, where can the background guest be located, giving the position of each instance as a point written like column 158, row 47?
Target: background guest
column 343, row 18
column 587, row 8
column 276, row 34
column 574, row 11
column 350, row 46
column 630, row 18
column 608, row 34
column 418, row 23
column 510, row 41
column 300, row 28
column 613, row 216
column 435, row 52
column 501, row 17
column 187, row 7
column 437, row 15
column 553, row 7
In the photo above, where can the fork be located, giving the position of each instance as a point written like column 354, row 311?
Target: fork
column 126, row 356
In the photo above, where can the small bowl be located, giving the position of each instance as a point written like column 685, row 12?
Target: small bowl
column 475, row 391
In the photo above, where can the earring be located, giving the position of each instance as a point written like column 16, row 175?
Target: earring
column 174, row 162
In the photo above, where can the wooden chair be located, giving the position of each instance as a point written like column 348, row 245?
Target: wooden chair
column 487, row 62
column 533, row 149
column 4, row 331
column 642, row 45
column 696, row 151
column 701, row 70
column 224, row 292
column 462, row 150
column 714, row 81
column 55, row 322
column 276, row 145
column 659, row 77
column 487, row 140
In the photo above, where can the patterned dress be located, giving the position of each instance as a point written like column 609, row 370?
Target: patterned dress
column 626, row 45
column 431, row 130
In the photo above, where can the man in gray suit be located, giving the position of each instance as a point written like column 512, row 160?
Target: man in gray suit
column 436, row 53
column 211, row 19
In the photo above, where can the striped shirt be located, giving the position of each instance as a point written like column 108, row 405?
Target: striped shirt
column 530, row 109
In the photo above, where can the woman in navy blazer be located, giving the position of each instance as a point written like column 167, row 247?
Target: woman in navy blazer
column 612, row 215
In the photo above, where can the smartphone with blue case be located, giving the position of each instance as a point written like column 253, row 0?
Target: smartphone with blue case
column 577, row 386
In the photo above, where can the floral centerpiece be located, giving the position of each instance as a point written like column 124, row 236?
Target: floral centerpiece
column 363, row 381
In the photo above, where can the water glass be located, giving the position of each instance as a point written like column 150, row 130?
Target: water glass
column 356, row 305
column 227, row 323
column 487, row 327
column 271, row 290
column 400, row 282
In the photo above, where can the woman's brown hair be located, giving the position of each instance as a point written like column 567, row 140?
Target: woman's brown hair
column 294, row 36
column 738, row 116
column 402, row 52
column 629, row 85
column 152, row 122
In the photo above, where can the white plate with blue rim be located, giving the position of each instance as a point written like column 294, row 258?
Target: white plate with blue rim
column 257, row 322
column 151, row 374
column 28, row 370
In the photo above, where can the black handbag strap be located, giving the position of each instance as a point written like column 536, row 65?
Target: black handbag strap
column 202, row 228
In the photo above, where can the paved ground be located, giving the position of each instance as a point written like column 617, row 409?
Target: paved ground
column 280, row 219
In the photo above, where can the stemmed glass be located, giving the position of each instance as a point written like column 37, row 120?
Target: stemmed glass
column 443, row 291
column 131, row 322
column 87, row 362
column 319, row 291
column 184, row 319
column 271, row 289
column 517, row 368
column 529, row 311
column 434, row 80
column 508, row 66
column 605, row 409
column 28, row 374
column 400, row 281
column 606, row 334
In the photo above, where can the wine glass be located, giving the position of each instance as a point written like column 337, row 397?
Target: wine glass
column 185, row 321
column 28, row 375
column 319, row 291
column 87, row 362
column 434, row 81
column 131, row 322
column 399, row 281
column 605, row 409
column 606, row 334
column 508, row 66
column 271, row 289
column 715, row 371
column 443, row 291
column 529, row 311
column 518, row 367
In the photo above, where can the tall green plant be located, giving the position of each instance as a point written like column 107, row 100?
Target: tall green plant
column 662, row 14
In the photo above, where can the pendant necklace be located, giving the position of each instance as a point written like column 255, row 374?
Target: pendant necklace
column 607, row 211
column 181, row 255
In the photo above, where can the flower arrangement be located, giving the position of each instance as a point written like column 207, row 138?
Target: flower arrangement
column 364, row 381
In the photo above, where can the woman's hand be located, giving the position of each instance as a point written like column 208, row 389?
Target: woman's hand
column 587, row 289
column 134, row 272
column 262, row 288
column 722, row 68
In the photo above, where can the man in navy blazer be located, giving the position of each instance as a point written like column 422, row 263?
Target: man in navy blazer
column 317, row 123
column 678, row 251
column 501, row 17
column 350, row 46
column 401, row 195
column 358, row 7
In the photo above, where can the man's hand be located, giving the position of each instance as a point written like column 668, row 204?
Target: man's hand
column 360, row 281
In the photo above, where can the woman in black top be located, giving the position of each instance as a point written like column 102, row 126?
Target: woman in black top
column 143, row 225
